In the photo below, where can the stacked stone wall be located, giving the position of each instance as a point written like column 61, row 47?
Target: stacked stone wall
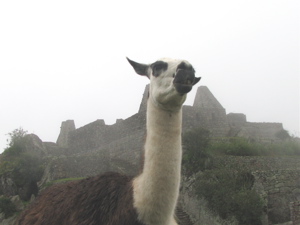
column 129, row 148
column 295, row 212
column 279, row 188
column 84, row 165
column 197, row 208
column 194, row 118
column 65, row 129
column 277, row 180
column 74, row 166
column 88, row 137
column 97, row 135
column 260, row 131
column 236, row 119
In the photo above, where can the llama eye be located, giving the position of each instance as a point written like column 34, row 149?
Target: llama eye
column 158, row 67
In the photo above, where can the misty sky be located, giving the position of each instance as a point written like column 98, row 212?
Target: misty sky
column 63, row 60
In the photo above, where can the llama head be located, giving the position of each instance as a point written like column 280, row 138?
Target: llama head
column 170, row 81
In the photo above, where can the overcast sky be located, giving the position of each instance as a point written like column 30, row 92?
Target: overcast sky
column 63, row 60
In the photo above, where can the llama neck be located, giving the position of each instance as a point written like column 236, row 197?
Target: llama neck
column 156, row 189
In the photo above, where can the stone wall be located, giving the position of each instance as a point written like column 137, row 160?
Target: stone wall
column 260, row 131
column 128, row 150
column 236, row 119
column 63, row 138
column 197, row 208
column 277, row 180
column 279, row 188
column 209, row 113
column 295, row 212
column 96, row 134
column 84, row 165
column 195, row 117
column 88, row 137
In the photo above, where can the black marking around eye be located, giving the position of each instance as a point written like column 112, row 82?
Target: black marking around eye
column 184, row 66
column 158, row 67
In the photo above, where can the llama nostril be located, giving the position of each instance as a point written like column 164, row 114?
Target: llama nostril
column 173, row 74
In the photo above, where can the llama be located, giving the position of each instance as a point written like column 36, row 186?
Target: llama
column 149, row 198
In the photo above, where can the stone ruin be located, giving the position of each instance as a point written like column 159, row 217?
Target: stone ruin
column 206, row 112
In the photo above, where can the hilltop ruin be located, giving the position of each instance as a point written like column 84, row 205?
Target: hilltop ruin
column 124, row 139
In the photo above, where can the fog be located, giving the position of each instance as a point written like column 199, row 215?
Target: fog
column 65, row 59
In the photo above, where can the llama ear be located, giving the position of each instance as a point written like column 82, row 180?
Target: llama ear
column 141, row 69
column 196, row 80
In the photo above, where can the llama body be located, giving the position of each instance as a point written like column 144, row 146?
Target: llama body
column 105, row 199
column 114, row 199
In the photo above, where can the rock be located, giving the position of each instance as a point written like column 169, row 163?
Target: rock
column 7, row 185
column 2, row 216
column 32, row 198
column 9, row 221
column 17, row 202
column 27, row 190
column 34, row 146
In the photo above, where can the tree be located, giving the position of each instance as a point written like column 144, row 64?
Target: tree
column 16, row 136
column 23, row 167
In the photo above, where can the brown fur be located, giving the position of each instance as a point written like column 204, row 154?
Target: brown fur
column 102, row 200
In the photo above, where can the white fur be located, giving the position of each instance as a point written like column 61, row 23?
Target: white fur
column 156, row 190
column 162, row 90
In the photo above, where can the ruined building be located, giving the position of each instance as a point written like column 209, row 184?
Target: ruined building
column 124, row 139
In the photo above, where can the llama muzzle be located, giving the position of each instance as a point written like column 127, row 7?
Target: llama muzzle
column 184, row 80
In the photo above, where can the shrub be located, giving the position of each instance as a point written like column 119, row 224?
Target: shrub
column 23, row 168
column 236, row 147
column 195, row 154
column 241, row 147
column 16, row 136
column 13, row 150
column 248, row 207
column 7, row 207
column 27, row 168
column 288, row 147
